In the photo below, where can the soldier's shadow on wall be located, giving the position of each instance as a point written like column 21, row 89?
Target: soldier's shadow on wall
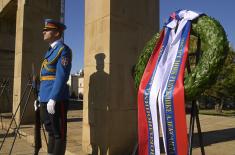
column 98, row 105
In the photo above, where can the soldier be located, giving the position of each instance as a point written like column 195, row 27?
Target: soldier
column 54, row 92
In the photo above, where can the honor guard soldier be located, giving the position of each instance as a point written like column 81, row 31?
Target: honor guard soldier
column 54, row 92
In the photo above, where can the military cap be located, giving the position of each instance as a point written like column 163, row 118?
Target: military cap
column 53, row 24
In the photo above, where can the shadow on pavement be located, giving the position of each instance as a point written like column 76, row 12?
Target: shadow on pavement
column 75, row 105
column 74, row 120
column 217, row 136
column 9, row 135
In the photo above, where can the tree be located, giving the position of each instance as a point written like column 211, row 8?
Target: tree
column 224, row 88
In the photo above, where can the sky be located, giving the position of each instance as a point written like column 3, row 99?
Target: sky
column 223, row 11
column 74, row 34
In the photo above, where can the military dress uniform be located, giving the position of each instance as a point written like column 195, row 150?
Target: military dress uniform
column 54, row 74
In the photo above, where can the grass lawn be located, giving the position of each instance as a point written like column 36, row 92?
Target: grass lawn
column 213, row 112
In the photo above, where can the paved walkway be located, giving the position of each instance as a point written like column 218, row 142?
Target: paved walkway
column 24, row 145
column 218, row 135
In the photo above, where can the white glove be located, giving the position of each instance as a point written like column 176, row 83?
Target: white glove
column 36, row 106
column 51, row 106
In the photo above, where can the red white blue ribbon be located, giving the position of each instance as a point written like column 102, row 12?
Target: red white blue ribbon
column 162, row 83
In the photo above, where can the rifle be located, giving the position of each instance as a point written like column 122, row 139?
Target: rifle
column 37, row 122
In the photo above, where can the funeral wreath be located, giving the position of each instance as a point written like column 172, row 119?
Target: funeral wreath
column 213, row 51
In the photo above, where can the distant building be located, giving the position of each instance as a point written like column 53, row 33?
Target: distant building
column 76, row 84
column 80, row 86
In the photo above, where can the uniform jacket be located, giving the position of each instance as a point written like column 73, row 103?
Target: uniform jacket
column 54, row 74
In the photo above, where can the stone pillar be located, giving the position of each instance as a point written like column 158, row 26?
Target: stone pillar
column 115, row 34
column 30, row 47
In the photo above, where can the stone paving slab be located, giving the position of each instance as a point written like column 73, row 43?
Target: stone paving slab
column 21, row 147
column 218, row 135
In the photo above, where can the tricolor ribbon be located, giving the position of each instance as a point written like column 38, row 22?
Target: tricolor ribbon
column 162, row 83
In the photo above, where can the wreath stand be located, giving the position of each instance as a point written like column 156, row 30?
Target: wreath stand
column 29, row 88
column 16, row 130
column 5, row 89
column 194, row 109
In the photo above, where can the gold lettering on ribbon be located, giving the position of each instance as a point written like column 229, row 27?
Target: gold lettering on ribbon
column 168, row 100
column 148, row 112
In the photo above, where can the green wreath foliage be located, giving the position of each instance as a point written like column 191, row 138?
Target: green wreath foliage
column 214, row 47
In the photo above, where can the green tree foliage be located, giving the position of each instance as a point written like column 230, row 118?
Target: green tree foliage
column 224, row 88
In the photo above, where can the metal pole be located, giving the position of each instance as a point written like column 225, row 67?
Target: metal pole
column 62, row 14
column 62, row 11
column 199, row 130
column 191, row 127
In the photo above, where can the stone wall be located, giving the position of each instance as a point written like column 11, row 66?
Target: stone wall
column 7, row 52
